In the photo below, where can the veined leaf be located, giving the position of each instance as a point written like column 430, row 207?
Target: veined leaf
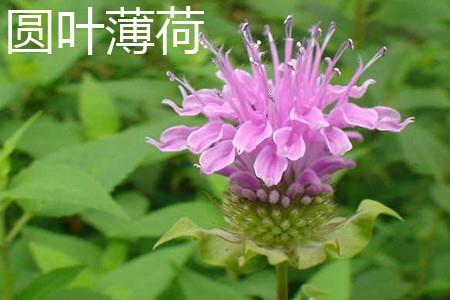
column 145, row 277
column 423, row 152
column 193, row 284
column 46, row 189
column 8, row 147
column 110, row 160
column 49, row 282
column 96, row 109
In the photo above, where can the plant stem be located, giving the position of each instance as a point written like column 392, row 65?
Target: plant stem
column 4, row 258
column 17, row 227
column 282, row 281
column 7, row 277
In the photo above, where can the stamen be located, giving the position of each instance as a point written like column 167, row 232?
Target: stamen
column 337, row 71
column 380, row 54
column 288, row 26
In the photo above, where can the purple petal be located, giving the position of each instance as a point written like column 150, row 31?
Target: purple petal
column 356, row 92
column 205, row 136
column 190, row 108
column 217, row 157
column 245, row 180
column 355, row 136
column 250, row 135
column 173, row 139
column 222, row 110
column 390, row 120
column 336, row 140
column 269, row 166
column 349, row 115
column 289, row 143
column 314, row 118
column 329, row 165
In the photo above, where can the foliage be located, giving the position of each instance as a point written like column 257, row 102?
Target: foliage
column 83, row 199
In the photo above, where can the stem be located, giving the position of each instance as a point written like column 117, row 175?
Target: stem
column 17, row 227
column 282, row 281
column 7, row 277
column 4, row 258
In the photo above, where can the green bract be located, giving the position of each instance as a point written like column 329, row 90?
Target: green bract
column 336, row 238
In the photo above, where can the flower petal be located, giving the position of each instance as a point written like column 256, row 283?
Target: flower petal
column 192, row 108
column 330, row 164
column 337, row 141
column 269, row 166
column 217, row 158
column 205, row 136
column 356, row 92
column 173, row 139
column 245, row 180
column 289, row 143
column 390, row 120
column 349, row 115
column 250, row 135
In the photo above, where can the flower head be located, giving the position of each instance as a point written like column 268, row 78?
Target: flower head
column 278, row 137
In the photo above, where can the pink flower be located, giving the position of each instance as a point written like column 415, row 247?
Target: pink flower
column 280, row 135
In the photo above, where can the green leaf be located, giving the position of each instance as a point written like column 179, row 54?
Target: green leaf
column 96, row 110
column 419, row 98
column 59, row 259
column 75, row 294
column 309, row 291
column 193, row 284
column 145, row 277
column 159, row 221
column 441, row 196
column 380, row 284
column 424, row 153
column 46, row 189
column 51, row 251
column 8, row 147
column 135, row 206
column 346, row 238
column 111, row 160
column 260, row 284
column 331, row 282
column 48, row 135
column 49, row 282
column 220, row 248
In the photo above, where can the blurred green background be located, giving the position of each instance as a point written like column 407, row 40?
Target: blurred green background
column 96, row 197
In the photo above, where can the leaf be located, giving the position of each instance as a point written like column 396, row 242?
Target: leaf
column 41, row 253
column 145, row 277
column 331, row 282
column 420, row 98
column 424, row 153
column 441, row 196
column 346, row 238
column 193, row 284
column 380, row 284
column 159, row 221
column 46, row 189
column 75, row 294
column 51, row 251
column 217, row 247
column 134, row 204
column 49, row 282
column 111, row 160
column 309, row 291
column 8, row 147
column 47, row 135
column 96, row 110
column 261, row 284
